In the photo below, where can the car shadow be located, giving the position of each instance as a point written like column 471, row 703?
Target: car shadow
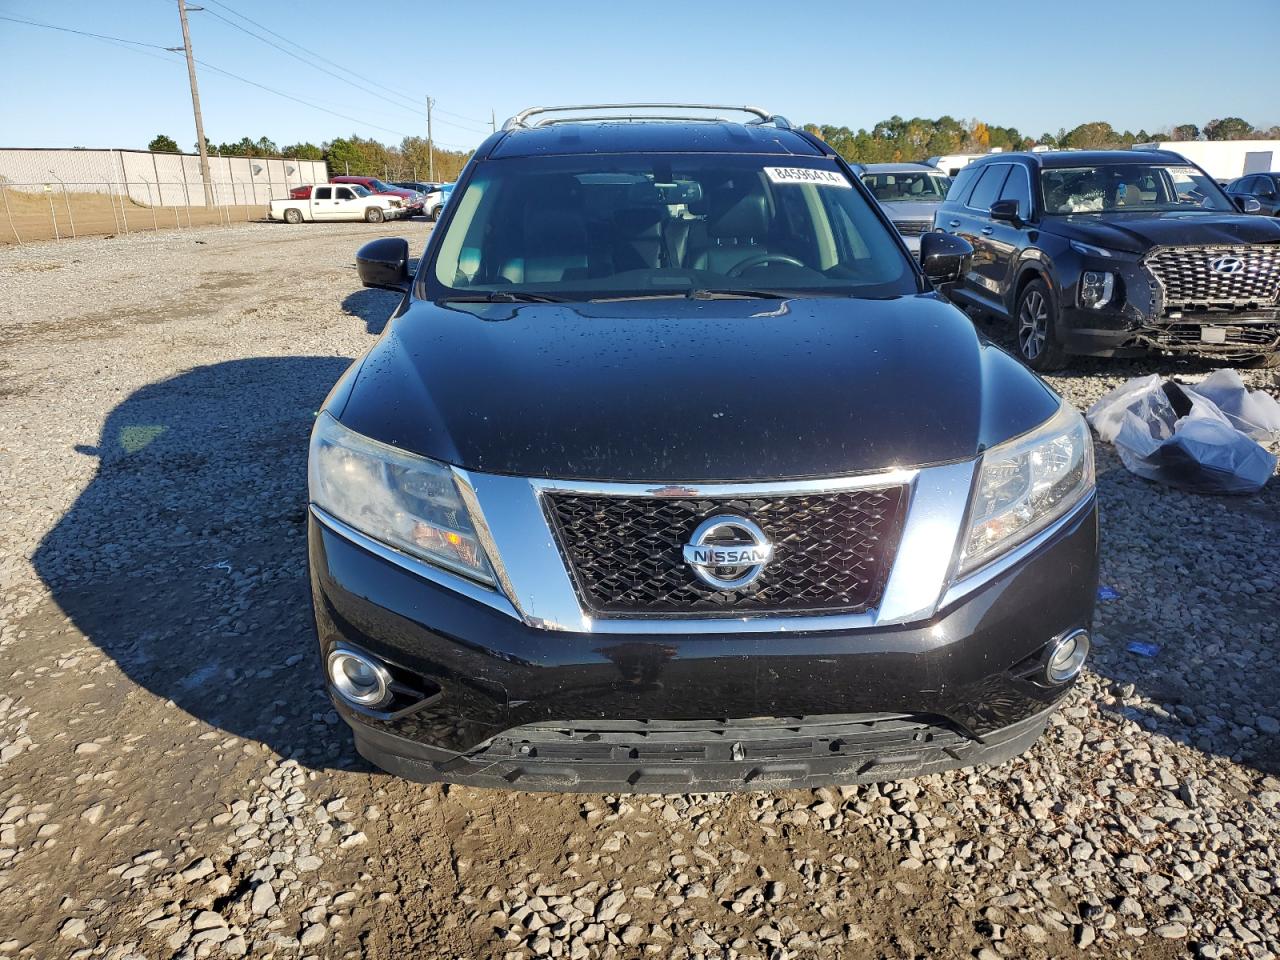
column 184, row 559
column 374, row 306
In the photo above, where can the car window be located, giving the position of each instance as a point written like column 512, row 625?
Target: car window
column 324, row 193
column 988, row 186
column 1264, row 186
column 626, row 225
column 1018, row 187
column 896, row 187
column 1136, row 187
column 344, row 194
column 961, row 185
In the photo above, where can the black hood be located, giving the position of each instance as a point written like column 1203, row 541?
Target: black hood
column 1139, row 232
column 696, row 391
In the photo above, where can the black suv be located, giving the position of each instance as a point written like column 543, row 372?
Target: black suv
column 671, row 472
column 1113, row 253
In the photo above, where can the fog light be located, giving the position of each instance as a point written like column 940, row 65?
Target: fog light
column 358, row 678
column 1066, row 657
column 1096, row 288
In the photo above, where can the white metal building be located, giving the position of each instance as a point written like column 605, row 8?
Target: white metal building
column 1224, row 159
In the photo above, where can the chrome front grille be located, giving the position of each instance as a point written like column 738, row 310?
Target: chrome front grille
column 913, row 228
column 1216, row 276
column 833, row 551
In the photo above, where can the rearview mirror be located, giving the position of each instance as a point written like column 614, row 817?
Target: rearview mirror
column 944, row 258
column 384, row 263
column 1248, row 205
column 1006, row 210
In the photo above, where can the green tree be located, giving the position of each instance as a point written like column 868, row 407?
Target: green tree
column 1092, row 136
column 302, row 151
column 162, row 144
column 1229, row 128
column 1185, row 131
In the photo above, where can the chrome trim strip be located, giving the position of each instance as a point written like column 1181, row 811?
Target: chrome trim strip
column 542, row 590
column 767, row 488
column 1006, row 561
column 927, row 550
column 437, row 575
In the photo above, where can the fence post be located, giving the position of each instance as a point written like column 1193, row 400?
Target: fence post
column 186, row 193
column 70, row 216
column 48, row 192
column 151, row 203
column 124, row 215
column 112, row 201
column 8, row 213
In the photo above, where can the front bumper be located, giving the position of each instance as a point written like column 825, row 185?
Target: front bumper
column 514, row 705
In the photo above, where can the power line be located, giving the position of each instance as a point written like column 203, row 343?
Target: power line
column 261, row 86
column 410, row 103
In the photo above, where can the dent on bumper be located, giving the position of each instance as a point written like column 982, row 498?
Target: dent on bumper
column 496, row 673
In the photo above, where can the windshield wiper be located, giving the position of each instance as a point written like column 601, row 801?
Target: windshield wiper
column 502, row 296
column 706, row 293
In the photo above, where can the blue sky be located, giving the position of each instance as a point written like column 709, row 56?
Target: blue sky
column 1032, row 64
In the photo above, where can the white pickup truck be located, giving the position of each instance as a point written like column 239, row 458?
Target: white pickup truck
column 336, row 201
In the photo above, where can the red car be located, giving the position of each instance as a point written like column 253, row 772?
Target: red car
column 412, row 199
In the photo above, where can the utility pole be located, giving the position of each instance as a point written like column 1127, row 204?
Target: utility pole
column 493, row 121
column 431, row 150
column 195, row 101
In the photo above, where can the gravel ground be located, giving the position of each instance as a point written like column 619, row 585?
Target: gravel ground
column 174, row 784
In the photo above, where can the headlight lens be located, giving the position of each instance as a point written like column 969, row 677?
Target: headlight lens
column 1026, row 484
column 403, row 500
column 1096, row 288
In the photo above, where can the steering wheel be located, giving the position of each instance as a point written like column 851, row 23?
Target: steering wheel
column 760, row 260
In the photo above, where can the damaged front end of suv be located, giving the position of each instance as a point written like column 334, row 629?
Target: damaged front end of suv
column 671, row 472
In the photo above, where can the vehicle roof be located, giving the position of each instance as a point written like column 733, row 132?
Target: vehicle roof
column 900, row 168
column 1084, row 158
column 649, row 136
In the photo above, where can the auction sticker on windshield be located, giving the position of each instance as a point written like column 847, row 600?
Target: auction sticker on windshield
column 806, row 175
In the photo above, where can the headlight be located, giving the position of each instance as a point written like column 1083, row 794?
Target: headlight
column 1026, row 484
column 403, row 500
column 1096, row 288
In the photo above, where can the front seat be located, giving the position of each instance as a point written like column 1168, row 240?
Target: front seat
column 555, row 237
column 735, row 233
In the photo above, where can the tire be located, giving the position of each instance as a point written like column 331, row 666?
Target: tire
column 1036, row 320
column 373, row 215
column 293, row 215
column 434, row 215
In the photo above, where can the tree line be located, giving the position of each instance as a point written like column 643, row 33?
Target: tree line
column 896, row 140
column 889, row 141
column 410, row 159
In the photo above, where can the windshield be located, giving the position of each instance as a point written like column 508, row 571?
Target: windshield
column 360, row 191
column 895, row 187
column 619, row 226
column 382, row 187
column 1130, row 188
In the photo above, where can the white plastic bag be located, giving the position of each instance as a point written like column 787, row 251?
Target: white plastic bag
column 1205, row 449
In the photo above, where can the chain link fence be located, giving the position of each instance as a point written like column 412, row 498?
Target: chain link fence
column 50, row 194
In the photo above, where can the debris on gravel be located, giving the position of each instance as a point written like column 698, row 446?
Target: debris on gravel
column 174, row 783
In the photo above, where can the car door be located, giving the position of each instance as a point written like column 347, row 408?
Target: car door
column 346, row 205
column 322, row 203
column 1267, row 192
column 972, row 221
column 1002, row 240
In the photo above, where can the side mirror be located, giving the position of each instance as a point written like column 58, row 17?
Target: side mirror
column 1248, row 205
column 944, row 258
column 384, row 263
column 1006, row 210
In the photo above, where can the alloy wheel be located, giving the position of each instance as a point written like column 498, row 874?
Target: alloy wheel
column 1033, row 324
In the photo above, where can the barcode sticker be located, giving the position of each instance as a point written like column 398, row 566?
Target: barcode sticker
column 825, row 178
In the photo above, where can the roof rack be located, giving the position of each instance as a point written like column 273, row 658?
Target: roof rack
column 623, row 111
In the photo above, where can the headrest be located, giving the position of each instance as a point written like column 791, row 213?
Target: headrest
column 748, row 216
